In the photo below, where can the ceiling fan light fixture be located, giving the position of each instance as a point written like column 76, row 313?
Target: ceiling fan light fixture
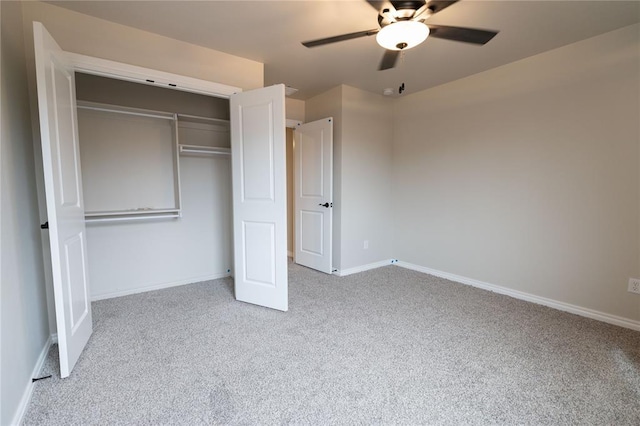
column 402, row 35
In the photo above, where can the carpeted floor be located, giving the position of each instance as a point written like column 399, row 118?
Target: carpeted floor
column 388, row 346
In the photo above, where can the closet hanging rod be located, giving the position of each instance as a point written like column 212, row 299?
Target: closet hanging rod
column 133, row 212
column 119, row 111
column 122, row 218
column 201, row 151
column 196, row 149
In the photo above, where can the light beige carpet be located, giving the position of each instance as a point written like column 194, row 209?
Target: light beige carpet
column 388, row 346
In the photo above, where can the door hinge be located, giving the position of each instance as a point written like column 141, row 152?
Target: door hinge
column 44, row 225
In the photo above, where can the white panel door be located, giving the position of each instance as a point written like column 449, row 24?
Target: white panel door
column 258, row 161
column 65, row 206
column 313, row 187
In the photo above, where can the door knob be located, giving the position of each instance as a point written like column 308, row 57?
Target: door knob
column 326, row 205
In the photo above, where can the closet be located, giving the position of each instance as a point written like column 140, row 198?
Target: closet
column 156, row 182
column 148, row 226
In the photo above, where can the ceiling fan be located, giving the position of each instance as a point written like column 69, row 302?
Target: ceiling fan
column 402, row 26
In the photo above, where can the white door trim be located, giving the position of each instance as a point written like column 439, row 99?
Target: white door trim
column 292, row 124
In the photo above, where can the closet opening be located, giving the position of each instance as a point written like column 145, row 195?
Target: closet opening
column 156, row 177
column 156, row 181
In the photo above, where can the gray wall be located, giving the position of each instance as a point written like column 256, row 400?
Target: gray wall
column 24, row 327
column 527, row 176
column 367, row 134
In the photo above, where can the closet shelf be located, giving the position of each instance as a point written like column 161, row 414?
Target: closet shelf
column 199, row 149
column 129, row 218
column 95, row 106
column 138, row 214
column 202, row 120
column 132, row 212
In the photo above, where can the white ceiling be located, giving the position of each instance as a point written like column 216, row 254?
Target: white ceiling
column 271, row 32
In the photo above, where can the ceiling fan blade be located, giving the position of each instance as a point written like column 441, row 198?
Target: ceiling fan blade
column 343, row 37
column 466, row 35
column 389, row 59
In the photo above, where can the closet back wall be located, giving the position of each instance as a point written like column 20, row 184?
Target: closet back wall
column 119, row 92
column 130, row 257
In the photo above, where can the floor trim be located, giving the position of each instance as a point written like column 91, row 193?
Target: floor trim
column 28, row 391
column 362, row 268
column 113, row 294
column 566, row 307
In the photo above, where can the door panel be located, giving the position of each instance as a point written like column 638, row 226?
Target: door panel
column 311, row 174
column 256, row 146
column 66, row 157
column 313, row 187
column 259, row 197
column 63, row 189
column 76, row 280
column 312, row 226
column 259, row 250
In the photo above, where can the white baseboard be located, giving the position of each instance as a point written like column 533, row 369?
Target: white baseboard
column 111, row 295
column 290, row 254
column 362, row 268
column 562, row 306
column 18, row 417
column 54, row 338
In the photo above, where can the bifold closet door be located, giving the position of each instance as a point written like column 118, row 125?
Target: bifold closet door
column 63, row 189
column 258, row 158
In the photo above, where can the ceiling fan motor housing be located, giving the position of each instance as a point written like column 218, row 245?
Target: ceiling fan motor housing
column 403, row 11
column 407, row 4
